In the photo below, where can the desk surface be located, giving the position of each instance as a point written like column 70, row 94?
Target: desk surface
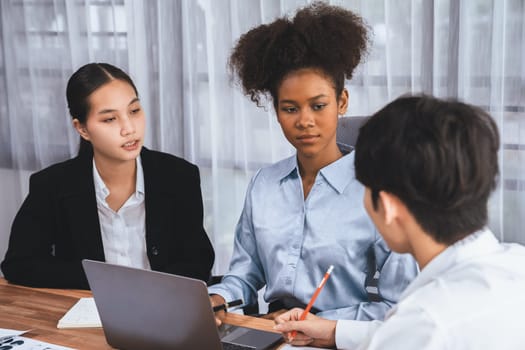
column 39, row 309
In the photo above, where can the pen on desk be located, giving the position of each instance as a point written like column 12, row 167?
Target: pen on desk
column 312, row 301
column 226, row 306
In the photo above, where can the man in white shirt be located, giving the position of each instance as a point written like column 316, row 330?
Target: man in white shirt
column 429, row 167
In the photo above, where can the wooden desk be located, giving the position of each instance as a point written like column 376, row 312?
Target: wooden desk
column 40, row 309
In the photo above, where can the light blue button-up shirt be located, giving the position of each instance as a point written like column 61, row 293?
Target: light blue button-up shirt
column 287, row 243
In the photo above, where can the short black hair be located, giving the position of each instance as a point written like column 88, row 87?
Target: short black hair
column 328, row 38
column 439, row 157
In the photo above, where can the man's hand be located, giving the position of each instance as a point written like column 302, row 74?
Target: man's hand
column 216, row 299
column 314, row 331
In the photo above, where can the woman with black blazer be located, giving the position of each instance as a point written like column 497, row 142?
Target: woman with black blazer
column 116, row 201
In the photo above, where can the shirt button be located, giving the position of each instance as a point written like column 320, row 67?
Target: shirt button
column 154, row 250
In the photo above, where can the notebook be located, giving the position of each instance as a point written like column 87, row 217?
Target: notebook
column 143, row 309
column 82, row 315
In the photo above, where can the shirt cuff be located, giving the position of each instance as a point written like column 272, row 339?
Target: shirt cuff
column 223, row 292
column 349, row 334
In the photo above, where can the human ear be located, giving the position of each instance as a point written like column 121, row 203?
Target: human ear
column 391, row 206
column 81, row 129
column 343, row 102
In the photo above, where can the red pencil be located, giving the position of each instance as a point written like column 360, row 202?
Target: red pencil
column 312, row 301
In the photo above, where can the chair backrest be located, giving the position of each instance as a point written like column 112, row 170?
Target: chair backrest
column 348, row 129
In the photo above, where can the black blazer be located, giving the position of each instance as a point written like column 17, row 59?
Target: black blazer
column 58, row 226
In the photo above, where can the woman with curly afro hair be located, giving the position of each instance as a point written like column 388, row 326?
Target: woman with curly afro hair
column 305, row 213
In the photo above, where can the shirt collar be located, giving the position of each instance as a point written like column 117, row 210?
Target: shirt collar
column 338, row 174
column 101, row 189
column 479, row 243
column 288, row 167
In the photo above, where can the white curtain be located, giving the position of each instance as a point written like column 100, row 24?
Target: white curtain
column 176, row 52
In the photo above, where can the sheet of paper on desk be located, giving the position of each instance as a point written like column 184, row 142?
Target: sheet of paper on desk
column 82, row 315
column 4, row 332
column 11, row 339
column 290, row 347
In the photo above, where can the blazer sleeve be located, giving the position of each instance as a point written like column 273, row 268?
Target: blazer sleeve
column 30, row 258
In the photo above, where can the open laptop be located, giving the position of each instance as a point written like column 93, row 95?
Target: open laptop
column 143, row 309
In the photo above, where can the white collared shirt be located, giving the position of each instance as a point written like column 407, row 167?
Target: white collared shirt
column 471, row 296
column 123, row 231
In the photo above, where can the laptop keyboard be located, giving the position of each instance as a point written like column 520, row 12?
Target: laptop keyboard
column 241, row 338
column 230, row 346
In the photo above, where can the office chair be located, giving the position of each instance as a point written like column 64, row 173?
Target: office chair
column 348, row 129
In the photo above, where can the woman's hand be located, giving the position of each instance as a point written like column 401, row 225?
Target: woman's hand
column 216, row 299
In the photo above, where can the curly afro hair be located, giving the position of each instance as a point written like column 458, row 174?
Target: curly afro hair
column 320, row 36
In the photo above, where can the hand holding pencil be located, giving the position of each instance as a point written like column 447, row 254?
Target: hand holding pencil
column 312, row 300
column 315, row 330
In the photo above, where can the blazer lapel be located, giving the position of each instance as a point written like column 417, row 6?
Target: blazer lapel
column 157, row 203
column 151, row 185
column 80, row 204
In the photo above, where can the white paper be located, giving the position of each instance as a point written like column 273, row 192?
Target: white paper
column 290, row 347
column 4, row 332
column 83, row 314
column 11, row 339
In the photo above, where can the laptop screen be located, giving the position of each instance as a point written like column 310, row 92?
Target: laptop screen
column 143, row 309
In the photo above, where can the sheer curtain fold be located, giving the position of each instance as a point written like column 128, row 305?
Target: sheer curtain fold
column 177, row 51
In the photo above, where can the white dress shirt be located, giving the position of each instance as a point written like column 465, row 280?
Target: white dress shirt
column 123, row 231
column 471, row 296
